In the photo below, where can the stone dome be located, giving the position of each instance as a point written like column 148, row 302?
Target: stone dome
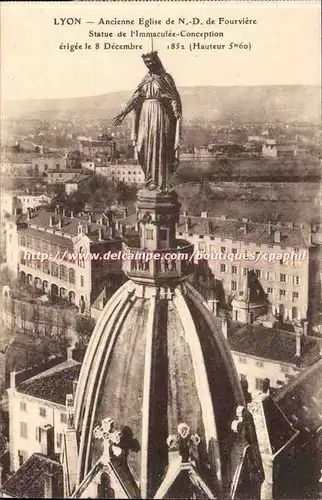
column 157, row 358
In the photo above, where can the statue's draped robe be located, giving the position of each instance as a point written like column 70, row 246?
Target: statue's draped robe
column 155, row 129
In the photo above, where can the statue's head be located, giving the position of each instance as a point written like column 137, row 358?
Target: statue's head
column 153, row 62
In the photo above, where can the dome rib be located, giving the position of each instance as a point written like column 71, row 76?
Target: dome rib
column 202, row 382
column 147, row 383
column 221, row 343
column 93, row 345
column 104, row 341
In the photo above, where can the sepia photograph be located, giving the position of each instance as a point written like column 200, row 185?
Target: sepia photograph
column 160, row 250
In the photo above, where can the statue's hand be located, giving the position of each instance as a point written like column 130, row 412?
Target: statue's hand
column 117, row 120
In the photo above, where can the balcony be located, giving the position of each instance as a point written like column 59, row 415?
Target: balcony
column 158, row 267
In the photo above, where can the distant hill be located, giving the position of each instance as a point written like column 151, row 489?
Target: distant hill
column 256, row 104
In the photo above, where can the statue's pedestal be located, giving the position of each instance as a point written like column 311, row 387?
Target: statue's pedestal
column 158, row 213
column 163, row 260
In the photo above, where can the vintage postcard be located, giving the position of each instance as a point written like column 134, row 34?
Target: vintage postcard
column 160, row 250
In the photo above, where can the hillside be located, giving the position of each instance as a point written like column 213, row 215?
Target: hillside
column 241, row 104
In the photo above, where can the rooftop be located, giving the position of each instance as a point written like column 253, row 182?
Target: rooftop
column 274, row 344
column 38, row 226
column 246, row 231
column 29, row 480
column 301, row 399
column 53, row 384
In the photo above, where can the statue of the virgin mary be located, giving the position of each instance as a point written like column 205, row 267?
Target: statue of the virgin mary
column 156, row 126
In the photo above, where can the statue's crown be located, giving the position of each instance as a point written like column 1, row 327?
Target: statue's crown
column 153, row 54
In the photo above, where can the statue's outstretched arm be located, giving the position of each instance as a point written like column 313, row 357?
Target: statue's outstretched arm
column 133, row 103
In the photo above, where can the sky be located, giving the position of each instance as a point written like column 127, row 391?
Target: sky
column 285, row 47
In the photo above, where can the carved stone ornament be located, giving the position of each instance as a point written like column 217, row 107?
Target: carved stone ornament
column 183, row 441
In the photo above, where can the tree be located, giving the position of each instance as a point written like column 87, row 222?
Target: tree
column 35, row 317
column 84, row 329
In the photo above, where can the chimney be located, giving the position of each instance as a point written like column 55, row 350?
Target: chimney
column 298, row 345
column 123, row 229
column 70, row 351
column 71, row 214
column 245, row 228
column 90, row 218
column 60, row 224
column 51, row 488
column 125, row 212
column 269, row 228
column 51, row 220
column 223, row 217
column 187, row 224
column 12, row 380
column 214, row 304
column 305, row 325
column 204, row 215
column 64, row 211
column 47, row 440
column 277, row 237
column 290, row 225
column 74, row 388
column 224, row 327
column 57, row 210
column 100, row 234
column 79, row 229
column 208, row 227
column 185, row 213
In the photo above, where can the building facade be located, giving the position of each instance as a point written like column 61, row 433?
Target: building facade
column 65, row 267
column 37, row 410
column 278, row 254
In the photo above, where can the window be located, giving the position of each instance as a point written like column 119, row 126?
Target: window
column 258, row 273
column 222, row 268
column 296, row 280
column 259, row 384
column 283, row 278
column 23, row 430
column 22, row 258
column 233, row 286
column 71, row 275
column 259, row 364
column 54, row 269
column 23, row 406
column 37, row 244
column 63, row 418
column 59, row 439
column 295, row 296
column 163, row 234
column 38, row 434
column 42, row 412
column 269, row 276
column 285, row 369
column 282, row 293
column 234, row 250
column 223, row 249
column 149, row 234
column 269, row 290
column 22, row 240
column 242, row 360
column 63, row 272
column 234, row 269
column 82, row 280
